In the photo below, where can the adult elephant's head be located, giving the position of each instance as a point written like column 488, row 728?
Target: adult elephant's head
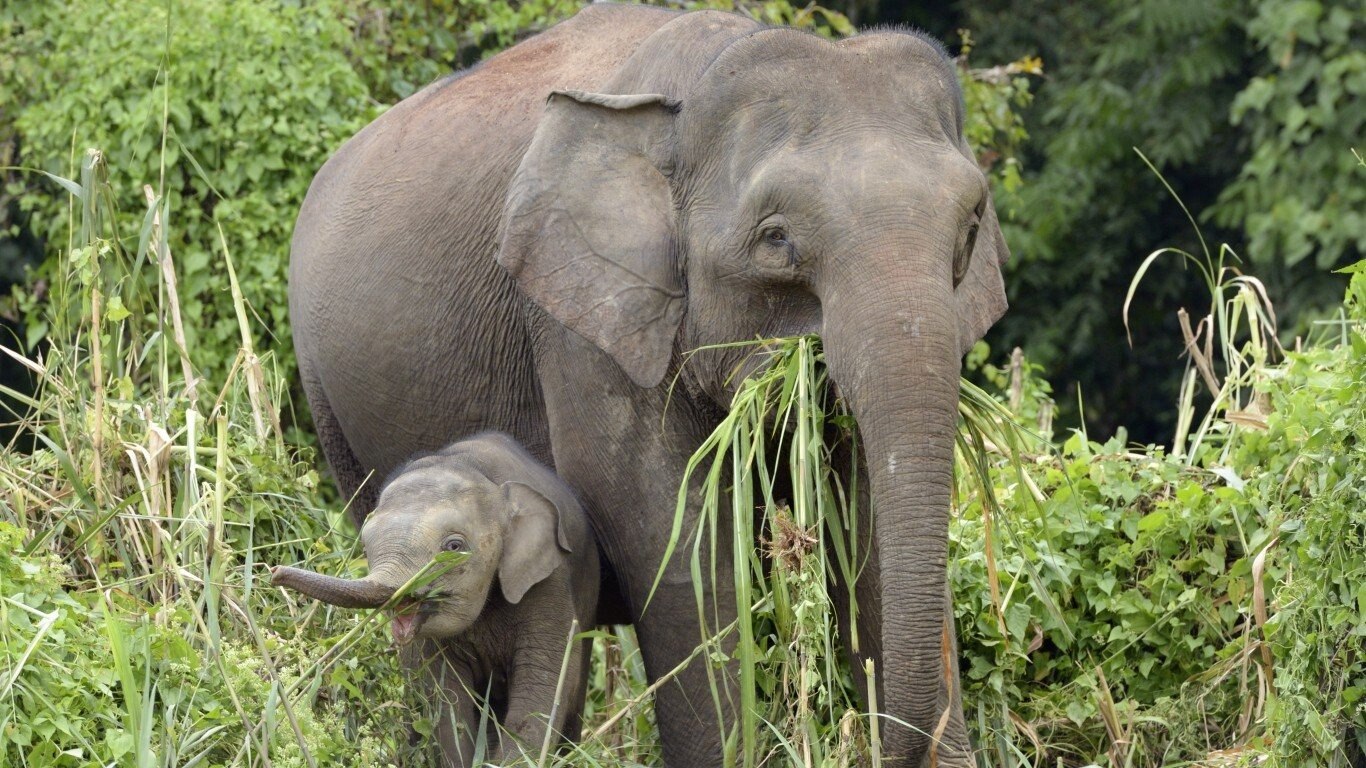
column 795, row 185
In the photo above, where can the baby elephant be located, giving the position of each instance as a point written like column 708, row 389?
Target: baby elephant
column 523, row 530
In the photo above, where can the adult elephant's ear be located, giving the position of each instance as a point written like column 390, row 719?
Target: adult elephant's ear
column 981, row 294
column 588, row 227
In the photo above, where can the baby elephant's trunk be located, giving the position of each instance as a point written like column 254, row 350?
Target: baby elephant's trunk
column 343, row 593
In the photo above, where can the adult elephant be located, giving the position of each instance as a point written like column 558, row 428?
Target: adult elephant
column 532, row 246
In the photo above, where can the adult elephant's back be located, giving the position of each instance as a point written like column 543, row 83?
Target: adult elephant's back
column 408, row 333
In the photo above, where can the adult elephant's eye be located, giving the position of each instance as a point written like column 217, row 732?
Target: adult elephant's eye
column 962, row 258
column 454, row 544
column 776, row 236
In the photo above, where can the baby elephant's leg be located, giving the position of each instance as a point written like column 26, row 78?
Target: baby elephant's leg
column 447, row 679
column 532, row 703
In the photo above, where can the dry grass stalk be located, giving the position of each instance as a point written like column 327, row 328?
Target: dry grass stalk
column 261, row 407
column 1259, row 611
column 790, row 543
column 993, row 574
column 1029, row 731
column 162, row 249
column 1046, row 418
column 874, row 731
column 1016, row 379
column 946, row 664
column 1121, row 740
column 150, row 463
column 1201, row 358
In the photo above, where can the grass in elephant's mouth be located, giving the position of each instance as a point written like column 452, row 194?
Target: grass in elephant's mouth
column 777, row 449
column 410, row 606
column 430, row 603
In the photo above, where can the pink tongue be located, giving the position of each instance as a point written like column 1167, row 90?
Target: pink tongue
column 403, row 626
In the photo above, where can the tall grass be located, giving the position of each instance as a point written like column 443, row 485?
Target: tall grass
column 773, row 450
column 142, row 525
column 163, row 502
column 1229, row 348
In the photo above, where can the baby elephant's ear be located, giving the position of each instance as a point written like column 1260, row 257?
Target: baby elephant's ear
column 531, row 548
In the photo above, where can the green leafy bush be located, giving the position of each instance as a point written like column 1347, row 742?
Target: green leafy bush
column 137, row 629
column 1308, row 102
column 253, row 97
column 1145, row 564
column 1155, row 609
column 1314, row 486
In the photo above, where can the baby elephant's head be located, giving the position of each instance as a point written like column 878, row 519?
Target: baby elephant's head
column 509, row 531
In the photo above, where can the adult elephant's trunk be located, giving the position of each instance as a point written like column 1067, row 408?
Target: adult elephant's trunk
column 892, row 347
column 343, row 593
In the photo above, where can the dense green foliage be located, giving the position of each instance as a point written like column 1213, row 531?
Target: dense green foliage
column 1152, row 566
column 136, row 629
column 1314, row 451
column 1308, row 107
column 249, row 113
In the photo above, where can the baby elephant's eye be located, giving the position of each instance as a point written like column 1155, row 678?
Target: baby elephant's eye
column 453, row 544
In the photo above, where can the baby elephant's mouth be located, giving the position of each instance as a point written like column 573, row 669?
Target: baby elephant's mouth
column 409, row 615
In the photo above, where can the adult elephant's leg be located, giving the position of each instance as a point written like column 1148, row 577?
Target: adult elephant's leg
column 625, row 452
column 359, row 490
column 633, row 518
column 694, row 708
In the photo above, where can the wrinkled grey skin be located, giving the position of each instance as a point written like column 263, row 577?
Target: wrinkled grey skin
column 525, row 532
column 483, row 256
